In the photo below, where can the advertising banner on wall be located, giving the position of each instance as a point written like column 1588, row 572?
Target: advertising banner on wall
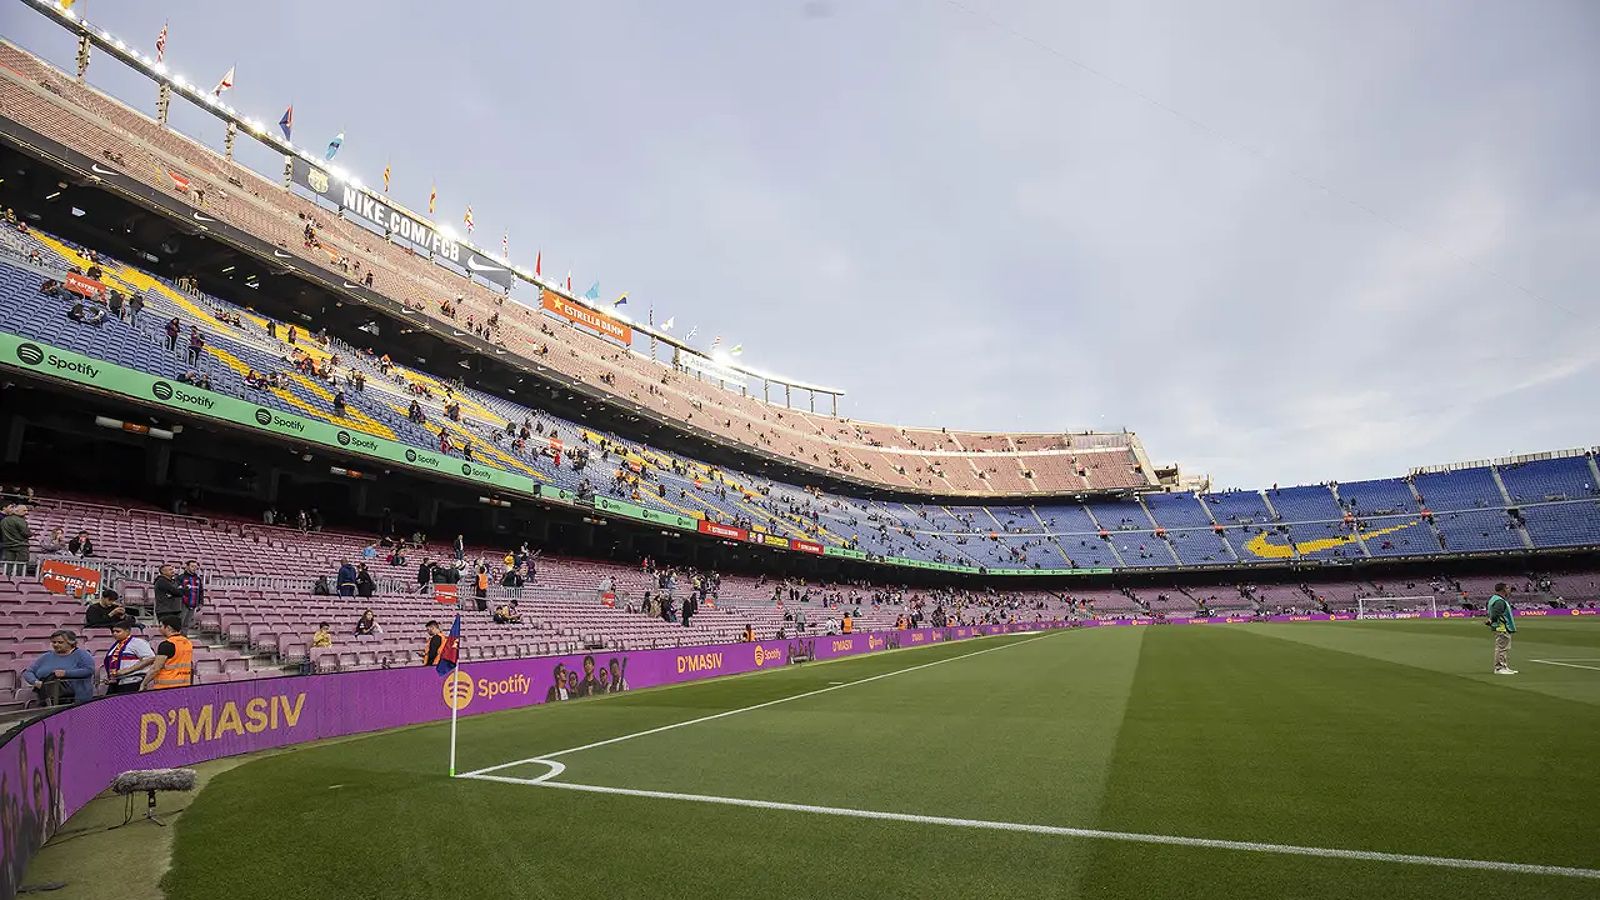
column 61, row 577
column 598, row 322
column 396, row 223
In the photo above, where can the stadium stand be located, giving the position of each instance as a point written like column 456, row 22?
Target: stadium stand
column 37, row 95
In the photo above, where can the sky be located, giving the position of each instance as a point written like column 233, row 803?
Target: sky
column 1284, row 242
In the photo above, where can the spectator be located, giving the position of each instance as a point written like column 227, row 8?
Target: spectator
column 365, row 586
column 81, row 545
column 64, row 674
column 461, row 548
column 127, row 657
column 106, row 612
column 197, row 342
column 14, row 538
column 173, row 665
column 135, row 306
column 173, row 328
column 368, row 625
column 435, row 644
column 322, row 638
column 346, row 580
column 88, row 314
column 370, row 551
column 481, row 586
column 192, row 586
column 169, row 597
column 55, row 544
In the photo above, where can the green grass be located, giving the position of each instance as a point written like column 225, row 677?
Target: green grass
column 1386, row 736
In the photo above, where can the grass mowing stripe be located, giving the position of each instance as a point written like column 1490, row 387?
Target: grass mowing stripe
column 732, row 712
column 1444, row 862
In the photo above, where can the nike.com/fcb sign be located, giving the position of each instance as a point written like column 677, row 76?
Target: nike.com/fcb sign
column 385, row 218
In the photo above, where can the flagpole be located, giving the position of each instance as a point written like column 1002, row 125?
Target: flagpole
column 454, row 708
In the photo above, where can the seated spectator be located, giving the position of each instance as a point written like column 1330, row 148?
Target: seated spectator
column 81, row 545
column 127, row 657
column 52, row 288
column 749, row 633
column 64, row 674
column 368, row 625
column 55, row 544
column 106, row 612
column 323, row 637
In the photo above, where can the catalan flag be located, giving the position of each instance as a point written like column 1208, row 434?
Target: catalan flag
column 386, row 178
column 467, row 218
column 450, row 650
column 433, row 199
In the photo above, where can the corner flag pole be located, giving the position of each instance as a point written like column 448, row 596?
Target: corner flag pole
column 454, row 707
column 455, row 701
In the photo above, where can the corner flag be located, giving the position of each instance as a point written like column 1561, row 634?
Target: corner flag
column 450, row 649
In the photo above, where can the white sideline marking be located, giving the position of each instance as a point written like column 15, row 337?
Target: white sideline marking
column 1570, row 665
column 545, row 757
column 1443, row 862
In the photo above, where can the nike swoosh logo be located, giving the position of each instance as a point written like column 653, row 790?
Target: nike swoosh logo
column 282, row 255
column 1265, row 549
column 349, row 285
column 472, row 263
column 201, row 218
column 95, row 167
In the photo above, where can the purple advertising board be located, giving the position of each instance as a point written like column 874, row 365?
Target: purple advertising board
column 54, row 766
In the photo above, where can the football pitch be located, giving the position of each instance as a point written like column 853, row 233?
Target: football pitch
column 1349, row 759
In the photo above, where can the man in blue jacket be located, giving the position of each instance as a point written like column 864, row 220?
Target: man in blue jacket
column 1504, row 623
column 63, row 675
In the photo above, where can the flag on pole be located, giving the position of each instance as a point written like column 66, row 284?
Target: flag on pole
column 161, row 43
column 505, row 246
column 433, row 198
column 667, row 325
column 538, row 264
column 286, row 124
column 593, row 293
column 386, row 178
column 225, row 84
column 622, row 300
column 569, row 281
column 737, row 349
column 450, row 650
column 333, row 146
column 715, row 343
column 467, row 218
column 693, row 330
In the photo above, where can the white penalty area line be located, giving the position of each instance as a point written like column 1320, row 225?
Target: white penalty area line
column 1442, row 862
column 544, row 757
column 1569, row 663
